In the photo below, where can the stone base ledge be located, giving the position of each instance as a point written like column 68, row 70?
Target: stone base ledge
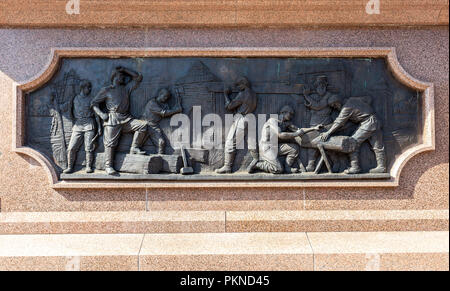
column 222, row 221
column 371, row 251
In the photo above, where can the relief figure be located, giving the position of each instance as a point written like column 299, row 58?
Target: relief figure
column 155, row 110
column 276, row 141
column 244, row 103
column 118, row 119
column 359, row 110
column 86, row 125
column 318, row 103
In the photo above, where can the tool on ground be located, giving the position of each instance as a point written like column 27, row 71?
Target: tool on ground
column 186, row 170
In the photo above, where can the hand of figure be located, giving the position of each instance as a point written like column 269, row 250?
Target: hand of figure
column 319, row 127
column 298, row 132
column 104, row 116
column 325, row 136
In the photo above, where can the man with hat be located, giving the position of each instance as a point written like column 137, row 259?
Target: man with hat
column 243, row 104
column 318, row 102
column 118, row 119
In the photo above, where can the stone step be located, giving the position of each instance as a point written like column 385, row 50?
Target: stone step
column 112, row 222
column 222, row 221
column 227, row 251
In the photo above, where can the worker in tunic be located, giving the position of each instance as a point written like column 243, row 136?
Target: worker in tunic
column 155, row 110
column 243, row 104
column 117, row 119
column 359, row 110
column 319, row 105
column 276, row 141
column 85, row 124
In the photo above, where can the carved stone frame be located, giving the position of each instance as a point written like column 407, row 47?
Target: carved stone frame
column 427, row 90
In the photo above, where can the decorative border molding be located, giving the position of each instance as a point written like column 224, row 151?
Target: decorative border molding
column 222, row 14
column 427, row 90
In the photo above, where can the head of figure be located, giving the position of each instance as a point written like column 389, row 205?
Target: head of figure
column 85, row 87
column 242, row 83
column 118, row 78
column 286, row 113
column 163, row 96
column 321, row 85
column 335, row 102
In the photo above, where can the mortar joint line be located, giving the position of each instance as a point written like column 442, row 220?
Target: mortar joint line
column 139, row 253
column 312, row 250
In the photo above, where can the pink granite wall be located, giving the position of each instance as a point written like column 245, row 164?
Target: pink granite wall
column 423, row 52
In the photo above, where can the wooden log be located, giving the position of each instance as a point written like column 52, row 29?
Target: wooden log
column 135, row 164
column 171, row 163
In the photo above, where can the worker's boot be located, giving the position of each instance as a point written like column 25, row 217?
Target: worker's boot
column 109, row 161
column 71, row 155
column 138, row 140
column 228, row 164
column 89, row 161
column 354, row 164
column 289, row 167
column 311, row 167
column 381, row 162
column 255, row 158
column 161, row 147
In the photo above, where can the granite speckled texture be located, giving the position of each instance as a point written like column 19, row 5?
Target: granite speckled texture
column 357, row 251
column 224, row 13
column 423, row 53
column 70, row 252
column 374, row 251
column 112, row 222
column 231, row 251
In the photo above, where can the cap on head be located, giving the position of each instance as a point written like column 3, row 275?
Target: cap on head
column 114, row 74
column 321, row 80
column 243, row 81
column 84, row 84
column 287, row 108
column 164, row 91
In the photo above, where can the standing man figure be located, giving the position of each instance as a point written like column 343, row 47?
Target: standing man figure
column 319, row 105
column 155, row 110
column 244, row 103
column 276, row 141
column 359, row 111
column 84, row 127
column 118, row 119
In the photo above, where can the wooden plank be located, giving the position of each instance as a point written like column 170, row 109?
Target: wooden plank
column 135, row 164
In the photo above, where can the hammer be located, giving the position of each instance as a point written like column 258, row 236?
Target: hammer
column 186, row 170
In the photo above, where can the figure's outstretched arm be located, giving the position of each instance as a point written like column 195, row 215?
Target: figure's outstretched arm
column 288, row 135
column 340, row 121
column 299, row 132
